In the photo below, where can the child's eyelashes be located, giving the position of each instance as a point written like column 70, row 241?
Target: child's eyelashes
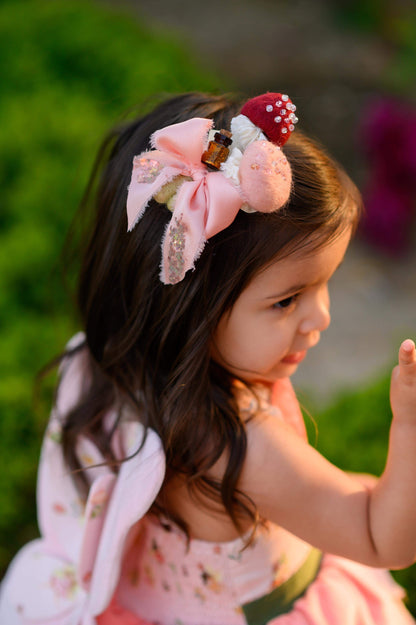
column 285, row 303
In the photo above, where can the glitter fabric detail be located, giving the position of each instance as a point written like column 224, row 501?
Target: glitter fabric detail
column 278, row 166
column 176, row 260
column 146, row 169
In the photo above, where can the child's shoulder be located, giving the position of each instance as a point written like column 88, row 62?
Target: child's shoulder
column 278, row 402
column 276, row 443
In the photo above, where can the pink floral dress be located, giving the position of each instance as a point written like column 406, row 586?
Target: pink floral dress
column 107, row 561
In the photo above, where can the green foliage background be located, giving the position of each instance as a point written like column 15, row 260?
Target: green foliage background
column 69, row 70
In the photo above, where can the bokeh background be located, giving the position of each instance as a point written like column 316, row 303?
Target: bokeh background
column 70, row 70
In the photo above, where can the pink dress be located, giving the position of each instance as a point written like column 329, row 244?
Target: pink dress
column 109, row 562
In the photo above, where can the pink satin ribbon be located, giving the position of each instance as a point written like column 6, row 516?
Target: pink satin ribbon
column 204, row 205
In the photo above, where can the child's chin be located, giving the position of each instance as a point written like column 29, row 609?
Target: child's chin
column 268, row 380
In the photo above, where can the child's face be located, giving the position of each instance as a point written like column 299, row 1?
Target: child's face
column 280, row 315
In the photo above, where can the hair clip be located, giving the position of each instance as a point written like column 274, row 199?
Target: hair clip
column 205, row 183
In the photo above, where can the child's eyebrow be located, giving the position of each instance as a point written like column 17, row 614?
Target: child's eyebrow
column 295, row 288
column 289, row 291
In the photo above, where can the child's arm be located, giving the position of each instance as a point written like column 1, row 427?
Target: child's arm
column 294, row 486
column 393, row 502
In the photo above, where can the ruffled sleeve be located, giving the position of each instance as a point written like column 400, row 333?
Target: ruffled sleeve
column 68, row 575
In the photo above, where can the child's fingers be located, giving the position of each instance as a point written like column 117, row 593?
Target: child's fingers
column 407, row 360
column 403, row 384
column 407, row 352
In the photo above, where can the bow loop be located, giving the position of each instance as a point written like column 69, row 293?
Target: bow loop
column 187, row 139
column 204, row 202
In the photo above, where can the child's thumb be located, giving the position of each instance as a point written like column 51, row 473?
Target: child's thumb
column 407, row 352
column 407, row 362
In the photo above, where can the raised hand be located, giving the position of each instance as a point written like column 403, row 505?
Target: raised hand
column 403, row 384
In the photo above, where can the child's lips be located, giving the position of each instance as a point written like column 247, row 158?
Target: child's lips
column 295, row 358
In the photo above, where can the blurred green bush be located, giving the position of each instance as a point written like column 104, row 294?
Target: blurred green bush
column 394, row 25
column 69, row 70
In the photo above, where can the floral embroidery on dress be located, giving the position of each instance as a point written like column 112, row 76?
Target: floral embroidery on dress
column 279, row 575
column 157, row 553
column 211, row 579
column 87, row 460
column 200, row 595
column 149, row 575
column 99, row 501
column 59, row 508
column 236, row 556
column 173, row 568
column 76, row 508
column 134, row 576
column 54, row 431
column 64, row 582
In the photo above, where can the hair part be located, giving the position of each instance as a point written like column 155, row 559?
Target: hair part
column 149, row 344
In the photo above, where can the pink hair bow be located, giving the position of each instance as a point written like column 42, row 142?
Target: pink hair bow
column 254, row 176
column 206, row 201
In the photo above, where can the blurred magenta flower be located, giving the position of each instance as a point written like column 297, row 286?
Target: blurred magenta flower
column 388, row 136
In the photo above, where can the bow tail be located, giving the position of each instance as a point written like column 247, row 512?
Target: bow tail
column 223, row 203
column 184, row 238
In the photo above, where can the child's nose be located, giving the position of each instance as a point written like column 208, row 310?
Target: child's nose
column 317, row 317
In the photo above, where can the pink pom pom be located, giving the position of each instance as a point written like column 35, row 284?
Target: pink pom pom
column 265, row 177
column 274, row 114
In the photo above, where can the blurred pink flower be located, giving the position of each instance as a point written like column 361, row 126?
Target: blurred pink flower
column 388, row 136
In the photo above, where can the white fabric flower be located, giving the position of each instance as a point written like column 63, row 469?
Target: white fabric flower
column 231, row 166
column 245, row 132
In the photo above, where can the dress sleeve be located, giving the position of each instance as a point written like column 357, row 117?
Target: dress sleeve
column 68, row 575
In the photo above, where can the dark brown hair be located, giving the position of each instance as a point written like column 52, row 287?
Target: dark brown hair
column 148, row 344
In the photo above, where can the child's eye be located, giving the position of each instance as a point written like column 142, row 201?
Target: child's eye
column 285, row 303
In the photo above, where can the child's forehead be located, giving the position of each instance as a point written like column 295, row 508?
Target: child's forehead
column 304, row 266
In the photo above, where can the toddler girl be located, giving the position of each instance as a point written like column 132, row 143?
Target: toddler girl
column 176, row 484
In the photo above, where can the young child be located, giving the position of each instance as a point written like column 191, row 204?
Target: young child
column 176, row 485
